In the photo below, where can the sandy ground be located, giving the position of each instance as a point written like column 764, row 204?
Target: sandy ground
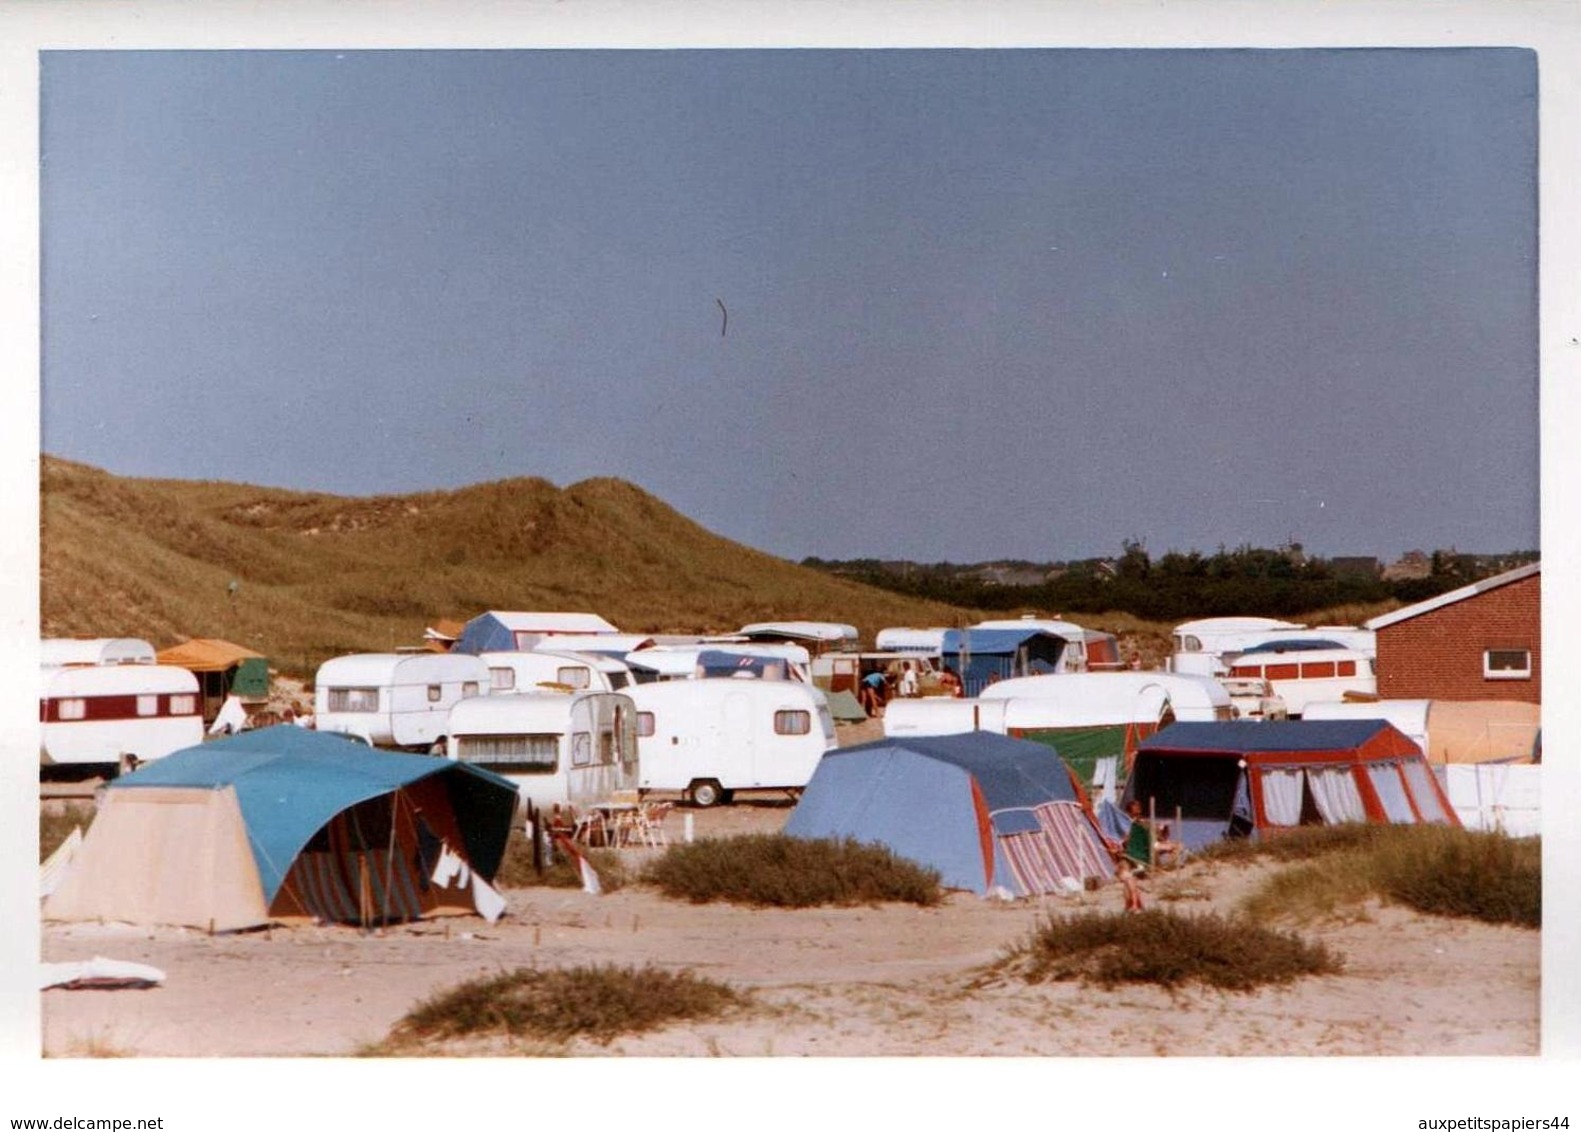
column 889, row 980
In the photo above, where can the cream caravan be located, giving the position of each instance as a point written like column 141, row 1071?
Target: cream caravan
column 557, row 747
column 400, row 700
column 709, row 738
column 104, row 714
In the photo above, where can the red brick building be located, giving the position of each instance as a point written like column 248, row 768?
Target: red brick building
column 1480, row 642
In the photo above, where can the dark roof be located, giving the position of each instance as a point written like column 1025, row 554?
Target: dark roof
column 1011, row 772
column 1247, row 736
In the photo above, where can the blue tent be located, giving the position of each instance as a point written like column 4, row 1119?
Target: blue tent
column 985, row 810
column 980, row 656
column 332, row 829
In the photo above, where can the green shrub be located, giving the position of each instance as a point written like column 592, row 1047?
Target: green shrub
column 1438, row 870
column 1453, row 872
column 599, row 1003
column 1167, row 949
column 791, row 872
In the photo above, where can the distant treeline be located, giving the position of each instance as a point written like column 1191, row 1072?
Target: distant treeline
column 1177, row 586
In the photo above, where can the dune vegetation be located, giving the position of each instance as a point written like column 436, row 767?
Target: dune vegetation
column 304, row 576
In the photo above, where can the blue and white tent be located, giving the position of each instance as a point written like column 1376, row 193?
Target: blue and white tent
column 502, row 631
column 987, row 811
column 981, row 656
column 283, row 822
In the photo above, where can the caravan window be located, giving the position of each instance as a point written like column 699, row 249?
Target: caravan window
column 469, row 688
column 1345, row 668
column 521, row 753
column 792, row 723
column 1282, row 671
column 1248, row 671
column 574, row 676
column 502, row 679
column 644, row 724
column 581, row 749
column 347, row 699
column 1318, row 670
column 148, row 705
column 184, row 705
column 75, row 708
column 435, row 693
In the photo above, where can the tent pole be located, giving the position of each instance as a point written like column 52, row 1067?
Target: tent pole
column 389, row 858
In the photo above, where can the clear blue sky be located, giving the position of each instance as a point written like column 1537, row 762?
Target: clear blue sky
column 981, row 303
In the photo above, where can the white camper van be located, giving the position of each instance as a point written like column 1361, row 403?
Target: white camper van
column 400, row 699
column 1209, row 647
column 711, row 737
column 557, row 747
column 100, row 714
column 1303, row 676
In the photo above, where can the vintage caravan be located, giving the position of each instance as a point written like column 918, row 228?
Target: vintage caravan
column 63, row 652
column 709, row 738
column 400, row 699
column 557, row 747
column 926, row 642
column 816, row 637
column 104, row 714
column 1299, row 674
column 560, row 671
column 1088, row 650
column 942, row 715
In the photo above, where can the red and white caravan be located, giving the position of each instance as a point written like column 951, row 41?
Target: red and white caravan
column 104, row 713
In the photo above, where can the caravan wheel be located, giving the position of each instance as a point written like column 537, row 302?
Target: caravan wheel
column 706, row 793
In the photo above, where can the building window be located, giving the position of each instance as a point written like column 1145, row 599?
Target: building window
column 644, row 724
column 348, row 699
column 1507, row 664
column 792, row 722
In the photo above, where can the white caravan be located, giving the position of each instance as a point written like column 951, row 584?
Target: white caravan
column 400, row 699
column 557, row 671
column 103, row 714
column 925, row 642
column 558, row 748
column 72, row 651
column 708, row 738
column 1303, row 676
column 943, row 715
column 1090, row 699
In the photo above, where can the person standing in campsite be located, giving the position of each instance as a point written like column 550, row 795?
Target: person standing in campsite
column 874, row 685
column 908, row 680
column 950, row 682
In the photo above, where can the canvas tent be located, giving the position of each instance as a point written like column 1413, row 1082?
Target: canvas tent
column 1255, row 778
column 988, row 812
column 499, row 630
column 222, row 669
column 283, row 822
column 983, row 656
